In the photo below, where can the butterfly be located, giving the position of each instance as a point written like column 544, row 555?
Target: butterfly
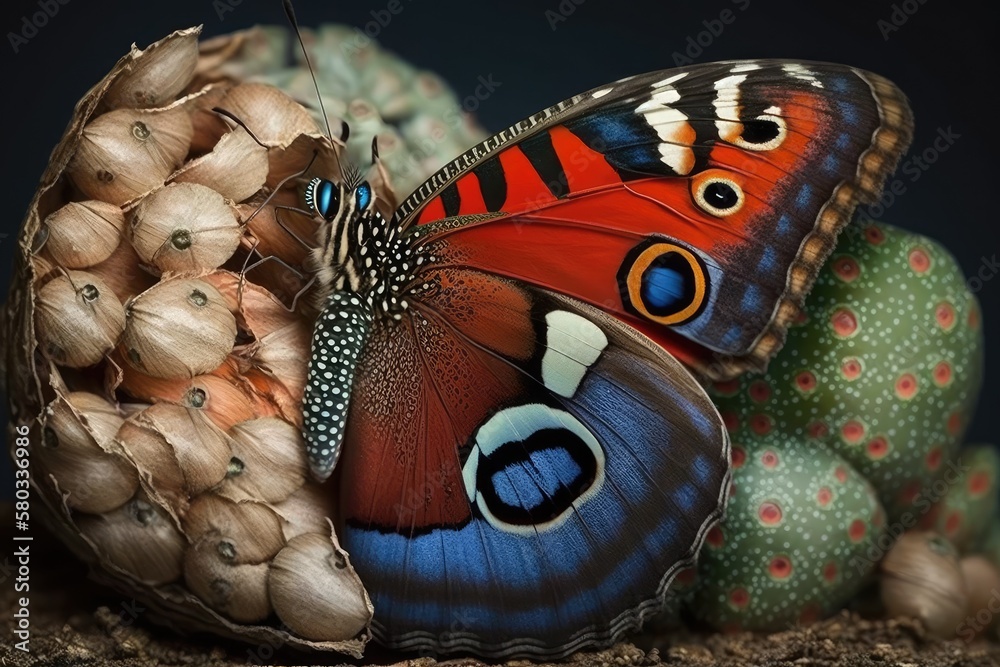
column 502, row 382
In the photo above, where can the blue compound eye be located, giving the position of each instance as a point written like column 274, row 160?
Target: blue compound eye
column 321, row 197
column 364, row 195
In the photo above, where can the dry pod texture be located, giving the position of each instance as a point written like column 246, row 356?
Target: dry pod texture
column 77, row 452
column 162, row 385
column 922, row 579
column 313, row 592
column 178, row 328
column 79, row 319
column 185, row 227
column 82, row 234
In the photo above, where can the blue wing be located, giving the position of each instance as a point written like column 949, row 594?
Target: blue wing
column 586, row 484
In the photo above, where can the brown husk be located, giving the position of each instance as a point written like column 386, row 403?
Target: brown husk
column 33, row 380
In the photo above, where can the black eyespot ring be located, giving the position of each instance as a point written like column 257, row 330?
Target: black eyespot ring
column 720, row 195
column 760, row 130
column 762, row 133
column 717, row 195
column 663, row 282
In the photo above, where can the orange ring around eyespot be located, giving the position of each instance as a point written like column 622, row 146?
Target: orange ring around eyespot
column 644, row 260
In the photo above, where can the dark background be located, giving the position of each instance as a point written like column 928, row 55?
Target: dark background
column 944, row 56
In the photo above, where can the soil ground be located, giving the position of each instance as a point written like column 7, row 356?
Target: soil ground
column 75, row 623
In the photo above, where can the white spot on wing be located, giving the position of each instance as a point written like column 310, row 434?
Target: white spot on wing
column 727, row 106
column 801, row 72
column 670, row 79
column 744, row 67
column 601, row 93
column 514, row 425
column 671, row 126
column 574, row 344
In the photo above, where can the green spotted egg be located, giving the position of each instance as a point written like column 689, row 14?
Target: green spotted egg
column 795, row 543
column 884, row 366
column 966, row 498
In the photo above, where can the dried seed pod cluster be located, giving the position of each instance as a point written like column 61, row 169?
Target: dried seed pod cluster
column 162, row 380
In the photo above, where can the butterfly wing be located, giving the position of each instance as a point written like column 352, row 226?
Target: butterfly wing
column 696, row 204
column 522, row 473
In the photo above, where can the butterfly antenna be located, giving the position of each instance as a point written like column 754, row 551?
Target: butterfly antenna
column 231, row 116
column 375, row 149
column 290, row 13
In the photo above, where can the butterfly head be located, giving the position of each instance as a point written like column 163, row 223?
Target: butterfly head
column 331, row 200
column 358, row 251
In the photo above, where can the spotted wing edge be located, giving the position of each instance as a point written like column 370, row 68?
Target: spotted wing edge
column 631, row 619
column 889, row 141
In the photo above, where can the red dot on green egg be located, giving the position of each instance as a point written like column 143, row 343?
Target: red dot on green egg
column 727, row 387
column 952, row 523
column 805, row 381
column 830, row 572
column 769, row 513
column 877, row 448
column 846, row 268
column 800, row 318
column 979, row 483
column 844, row 322
column 945, row 315
column 906, row 386
column 942, row 374
column 933, row 461
column 810, row 614
column 874, row 235
column 715, row 537
column 930, row 517
column 730, row 420
column 769, row 459
column 920, row 261
column 687, row 576
column 760, row 424
column 759, row 391
column 852, row 432
column 840, row 472
column 738, row 455
column 818, row 429
column 973, row 317
column 909, row 493
column 739, row 597
column 954, row 423
column 824, row 496
column 780, row 567
column 857, row 530
column 851, row 368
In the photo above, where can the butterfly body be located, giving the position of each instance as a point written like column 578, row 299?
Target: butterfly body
column 523, row 463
